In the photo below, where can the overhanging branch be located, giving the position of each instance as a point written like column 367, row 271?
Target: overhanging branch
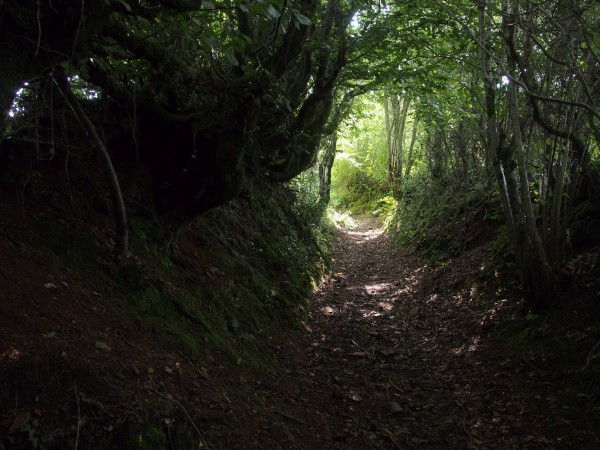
column 550, row 99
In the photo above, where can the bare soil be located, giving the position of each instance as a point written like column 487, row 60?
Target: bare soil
column 396, row 355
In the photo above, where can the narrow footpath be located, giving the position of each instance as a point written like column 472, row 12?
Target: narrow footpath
column 399, row 355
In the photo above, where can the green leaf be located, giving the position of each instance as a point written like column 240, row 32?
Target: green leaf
column 302, row 19
column 209, row 41
column 125, row 5
column 273, row 12
column 102, row 345
column 244, row 8
column 208, row 5
column 231, row 59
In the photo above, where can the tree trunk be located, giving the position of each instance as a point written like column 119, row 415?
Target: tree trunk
column 499, row 153
column 325, row 166
column 120, row 216
column 410, row 160
column 534, row 254
column 396, row 114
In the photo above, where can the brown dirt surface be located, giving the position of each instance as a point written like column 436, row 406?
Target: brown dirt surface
column 396, row 355
column 400, row 355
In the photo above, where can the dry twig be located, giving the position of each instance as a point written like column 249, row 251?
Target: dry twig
column 590, row 356
column 78, row 416
column 202, row 440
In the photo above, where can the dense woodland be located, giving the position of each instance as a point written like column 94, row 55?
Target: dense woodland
column 458, row 123
column 189, row 102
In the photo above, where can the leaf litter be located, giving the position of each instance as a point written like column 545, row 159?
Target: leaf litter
column 396, row 354
column 399, row 356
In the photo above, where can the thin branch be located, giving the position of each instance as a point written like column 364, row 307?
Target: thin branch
column 122, row 246
column 171, row 399
column 550, row 99
column 39, row 24
column 590, row 356
column 78, row 416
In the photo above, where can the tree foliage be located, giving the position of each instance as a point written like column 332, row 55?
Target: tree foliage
column 504, row 96
column 196, row 99
column 201, row 96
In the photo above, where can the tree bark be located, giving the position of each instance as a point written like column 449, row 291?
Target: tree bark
column 396, row 110
column 120, row 216
column 410, row 160
column 499, row 153
column 325, row 166
column 538, row 267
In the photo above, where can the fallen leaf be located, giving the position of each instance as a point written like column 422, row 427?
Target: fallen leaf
column 50, row 286
column 357, row 397
column 359, row 354
column 168, row 370
column 102, row 345
column 395, row 407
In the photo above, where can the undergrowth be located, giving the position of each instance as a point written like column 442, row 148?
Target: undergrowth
column 256, row 263
column 245, row 271
column 441, row 218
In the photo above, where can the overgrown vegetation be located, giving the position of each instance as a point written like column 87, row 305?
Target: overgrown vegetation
column 240, row 284
column 441, row 221
column 181, row 152
column 260, row 268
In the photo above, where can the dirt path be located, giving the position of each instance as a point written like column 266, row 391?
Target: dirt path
column 397, row 356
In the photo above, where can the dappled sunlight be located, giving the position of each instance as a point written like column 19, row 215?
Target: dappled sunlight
column 367, row 313
column 410, row 339
column 365, row 236
column 461, row 298
column 11, row 354
column 468, row 347
column 328, row 310
column 433, row 298
column 377, row 288
column 386, row 306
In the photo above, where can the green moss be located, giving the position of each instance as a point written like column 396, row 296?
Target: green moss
column 267, row 260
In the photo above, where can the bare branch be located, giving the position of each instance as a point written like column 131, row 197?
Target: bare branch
column 550, row 99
